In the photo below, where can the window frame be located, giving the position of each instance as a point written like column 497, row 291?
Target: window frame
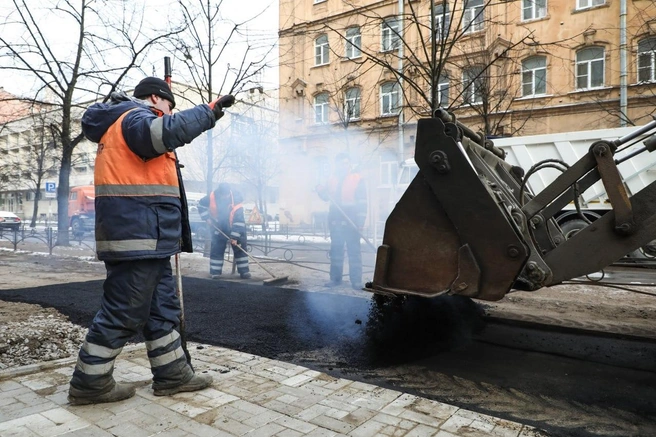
column 388, row 173
column 357, row 100
column 321, row 51
column 323, row 106
column 390, row 38
column 589, row 69
column 353, row 42
column 393, row 96
column 652, row 58
column 474, row 91
column 441, row 89
column 534, row 8
column 473, row 20
column 534, row 80
column 442, row 16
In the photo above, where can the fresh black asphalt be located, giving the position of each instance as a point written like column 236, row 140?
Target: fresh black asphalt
column 424, row 347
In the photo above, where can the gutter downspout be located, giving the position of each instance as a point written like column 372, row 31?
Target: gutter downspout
column 401, row 54
column 623, row 69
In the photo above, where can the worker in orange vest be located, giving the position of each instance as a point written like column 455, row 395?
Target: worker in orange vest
column 140, row 213
column 224, row 213
column 347, row 193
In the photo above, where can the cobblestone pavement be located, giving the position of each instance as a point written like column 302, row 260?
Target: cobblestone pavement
column 250, row 396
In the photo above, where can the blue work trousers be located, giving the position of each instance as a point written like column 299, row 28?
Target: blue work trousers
column 138, row 296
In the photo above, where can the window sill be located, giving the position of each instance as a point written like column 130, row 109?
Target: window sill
column 591, row 8
column 354, row 58
column 534, row 20
column 533, row 97
column 587, row 90
column 474, row 33
column 321, row 65
column 644, row 83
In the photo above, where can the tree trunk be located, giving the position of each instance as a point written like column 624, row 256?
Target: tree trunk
column 62, row 198
column 35, row 210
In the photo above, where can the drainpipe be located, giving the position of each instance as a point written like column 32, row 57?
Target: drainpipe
column 623, row 69
column 401, row 54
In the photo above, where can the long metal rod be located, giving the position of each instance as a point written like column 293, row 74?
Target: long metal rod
column 636, row 133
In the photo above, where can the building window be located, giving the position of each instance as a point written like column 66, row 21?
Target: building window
column 353, row 42
column 472, row 20
column 321, row 108
column 590, row 68
column 321, row 56
column 647, row 60
column 389, row 171
column 390, row 33
column 443, row 91
column 352, row 104
column 389, row 98
column 473, row 84
column 534, row 76
column 534, row 9
column 442, row 21
column 584, row 4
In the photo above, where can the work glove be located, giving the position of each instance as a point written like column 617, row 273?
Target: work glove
column 220, row 103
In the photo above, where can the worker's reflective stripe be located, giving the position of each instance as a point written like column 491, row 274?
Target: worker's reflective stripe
column 167, row 358
column 125, row 245
column 243, row 263
column 156, row 135
column 100, row 351
column 163, row 341
column 137, row 190
column 94, row 369
column 243, row 225
column 235, row 234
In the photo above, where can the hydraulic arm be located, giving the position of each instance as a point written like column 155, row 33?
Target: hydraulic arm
column 469, row 225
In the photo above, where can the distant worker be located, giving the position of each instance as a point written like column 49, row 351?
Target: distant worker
column 224, row 213
column 139, row 216
column 347, row 193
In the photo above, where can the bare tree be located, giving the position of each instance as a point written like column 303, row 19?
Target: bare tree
column 254, row 139
column 105, row 44
column 206, row 53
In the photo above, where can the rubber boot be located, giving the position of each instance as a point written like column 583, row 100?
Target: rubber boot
column 118, row 392
column 197, row 382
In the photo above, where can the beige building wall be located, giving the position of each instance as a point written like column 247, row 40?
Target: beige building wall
column 566, row 27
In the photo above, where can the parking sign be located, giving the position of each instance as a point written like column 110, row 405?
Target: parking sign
column 51, row 190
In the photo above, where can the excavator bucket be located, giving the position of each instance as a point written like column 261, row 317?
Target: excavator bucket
column 468, row 225
column 447, row 233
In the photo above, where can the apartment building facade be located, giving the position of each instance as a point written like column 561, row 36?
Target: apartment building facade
column 356, row 75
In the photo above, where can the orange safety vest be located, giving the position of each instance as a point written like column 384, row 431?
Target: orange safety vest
column 214, row 210
column 349, row 187
column 119, row 172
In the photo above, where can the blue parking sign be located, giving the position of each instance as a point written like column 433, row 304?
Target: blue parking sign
column 51, row 190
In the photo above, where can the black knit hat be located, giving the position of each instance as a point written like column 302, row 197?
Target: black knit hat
column 154, row 85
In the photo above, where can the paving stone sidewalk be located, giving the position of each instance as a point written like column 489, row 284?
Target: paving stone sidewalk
column 250, row 396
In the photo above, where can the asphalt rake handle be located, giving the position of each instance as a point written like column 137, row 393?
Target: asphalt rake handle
column 274, row 279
